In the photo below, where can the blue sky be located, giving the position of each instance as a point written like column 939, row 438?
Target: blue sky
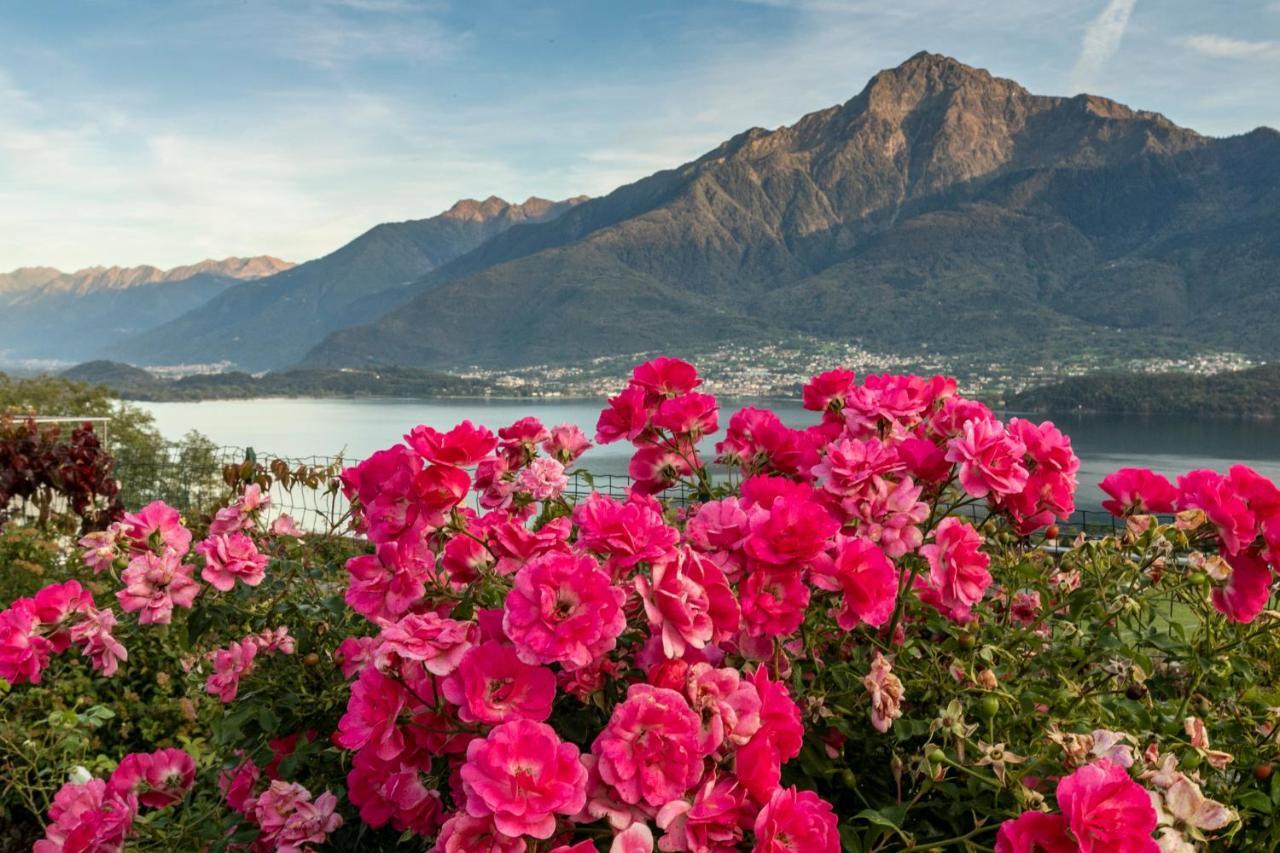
column 165, row 132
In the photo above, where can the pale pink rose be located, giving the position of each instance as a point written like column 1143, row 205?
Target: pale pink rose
column 93, row 634
column 543, row 479
column 290, row 821
column 463, row 833
column 155, row 584
column 438, row 642
column 286, row 526
column 566, row 443
column 636, row 838
column 728, row 706
column 649, row 752
column 230, row 557
column 101, row 548
column 885, row 689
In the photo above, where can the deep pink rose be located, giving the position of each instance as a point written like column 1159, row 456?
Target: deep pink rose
column 563, row 609
column 689, row 601
column 958, row 574
column 1137, row 491
column 523, row 775
column 869, row 582
column 1106, row 810
column 492, row 685
column 464, row 445
column 796, row 820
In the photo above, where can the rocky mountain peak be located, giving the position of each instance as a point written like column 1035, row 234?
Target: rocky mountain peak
column 531, row 209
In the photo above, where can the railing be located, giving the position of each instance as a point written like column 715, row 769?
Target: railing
column 197, row 485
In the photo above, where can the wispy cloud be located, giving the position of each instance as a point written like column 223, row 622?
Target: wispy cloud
column 201, row 127
column 1101, row 42
column 1225, row 47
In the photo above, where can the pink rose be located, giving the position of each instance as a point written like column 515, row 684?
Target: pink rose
column 158, row 779
column 231, row 556
column 796, row 820
column 523, row 775
column 958, row 574
column 990, row 459
column 649, row 752
column 437, row 642
column 1137, row 491
column 688, row 599
column 492, row 685
column 87, row 816
column 154, row 585
column 869, row 582
column 563, row 609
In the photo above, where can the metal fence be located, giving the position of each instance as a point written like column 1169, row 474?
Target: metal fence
column 195, row 483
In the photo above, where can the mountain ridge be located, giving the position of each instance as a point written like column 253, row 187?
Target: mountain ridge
column 48, row 314
column 937, row 188
column 116, row 277
column 272, row 322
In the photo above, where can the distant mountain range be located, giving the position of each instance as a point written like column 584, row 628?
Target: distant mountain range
column 940, row 208
column 49, row 314
column 272, row 322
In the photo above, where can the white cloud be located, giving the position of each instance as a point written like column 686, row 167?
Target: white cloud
column 306, row 176
column 1225, row 47
column 1101, row 42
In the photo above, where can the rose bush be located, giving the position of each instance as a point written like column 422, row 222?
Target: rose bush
column 862, row 635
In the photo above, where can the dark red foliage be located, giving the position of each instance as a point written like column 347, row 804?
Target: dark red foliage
column 38, row 465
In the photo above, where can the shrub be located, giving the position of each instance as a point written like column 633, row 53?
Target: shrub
column 865, row 635
column 41, row 470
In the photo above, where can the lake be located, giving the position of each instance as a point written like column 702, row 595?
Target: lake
column 305, row 427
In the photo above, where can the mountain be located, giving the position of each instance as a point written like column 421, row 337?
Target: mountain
column 273, row 321
column 1251, row 393
column 46, row 313
column 941, row 207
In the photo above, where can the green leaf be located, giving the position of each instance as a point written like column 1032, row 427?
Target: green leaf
column 1257, row 801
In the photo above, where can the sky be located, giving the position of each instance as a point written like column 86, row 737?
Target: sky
column 167, row 132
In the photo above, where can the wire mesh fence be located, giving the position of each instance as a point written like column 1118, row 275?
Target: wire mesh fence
column 196, row 482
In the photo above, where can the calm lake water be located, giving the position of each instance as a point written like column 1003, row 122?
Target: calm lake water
column 356, row 428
